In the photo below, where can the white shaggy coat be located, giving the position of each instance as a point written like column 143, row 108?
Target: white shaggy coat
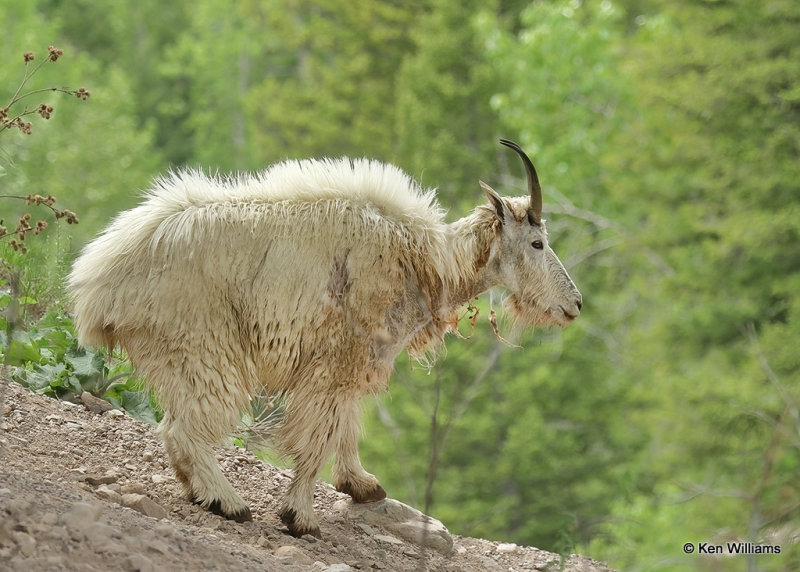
column 308, row 278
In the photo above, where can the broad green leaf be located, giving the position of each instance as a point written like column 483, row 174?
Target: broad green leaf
column 43, row 379
column 85, row 365
column 22, row 350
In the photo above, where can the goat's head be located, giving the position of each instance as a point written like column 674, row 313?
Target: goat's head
column 542, row 293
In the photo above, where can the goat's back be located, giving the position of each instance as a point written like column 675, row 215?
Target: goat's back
column 230, row 253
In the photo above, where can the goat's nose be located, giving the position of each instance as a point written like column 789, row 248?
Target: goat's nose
column 579, row 304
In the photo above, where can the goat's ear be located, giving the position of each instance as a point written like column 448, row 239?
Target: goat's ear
column 499, row 205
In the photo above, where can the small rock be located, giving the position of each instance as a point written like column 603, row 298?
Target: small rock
column 5, row 492
column 95, row 404
column 157, row 546
column 388, row 539
column 73, row 425
column 114, row 413
column 159, row 479
column 264, row 542
column 105, row 492
column 78, row 518
column 144, row 505
column 293, row 555
column 341, row 505
column 25, row 542
column 96, row 480
column 366, row 528
column 406, row 522
column 57, row 534
column 138, row 563
column 488, row 564
column 53, row 563
column 340, row 567
column 114, row 471
column 147, row 456
column 102, row 538
column 165, row 530
column 134, row 488
column 507, row 548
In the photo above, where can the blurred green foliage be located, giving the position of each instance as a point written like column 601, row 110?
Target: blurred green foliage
column 667, row 139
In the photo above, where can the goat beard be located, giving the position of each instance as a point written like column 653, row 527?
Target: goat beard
column 529, row 313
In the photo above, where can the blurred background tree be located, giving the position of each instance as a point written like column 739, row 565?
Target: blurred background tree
column 667, row 138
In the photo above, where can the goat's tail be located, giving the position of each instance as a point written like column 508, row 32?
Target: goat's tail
column 90, row 301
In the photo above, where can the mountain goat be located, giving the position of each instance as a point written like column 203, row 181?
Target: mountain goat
column 308, row 279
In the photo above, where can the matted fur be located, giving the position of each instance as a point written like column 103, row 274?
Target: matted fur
column 309, row 279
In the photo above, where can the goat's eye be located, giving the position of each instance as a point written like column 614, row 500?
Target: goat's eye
column 537, row 244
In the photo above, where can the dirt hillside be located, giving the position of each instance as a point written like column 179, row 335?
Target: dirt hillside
column 85, row 491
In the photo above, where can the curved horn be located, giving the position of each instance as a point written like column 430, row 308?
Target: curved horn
column 534, row 188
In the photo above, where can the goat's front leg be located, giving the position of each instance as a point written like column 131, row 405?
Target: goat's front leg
column 348, row 474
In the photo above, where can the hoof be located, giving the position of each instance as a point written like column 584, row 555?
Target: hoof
column 289, row 518
column 375, row 494
column 243, row 515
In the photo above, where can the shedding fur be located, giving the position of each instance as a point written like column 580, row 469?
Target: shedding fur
column 305, row 280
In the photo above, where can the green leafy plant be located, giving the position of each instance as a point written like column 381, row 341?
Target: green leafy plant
column 47, row 359
column 18, row 346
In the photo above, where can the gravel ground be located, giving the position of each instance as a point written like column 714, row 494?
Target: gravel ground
column 81, row 490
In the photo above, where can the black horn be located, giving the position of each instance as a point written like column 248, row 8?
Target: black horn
column 534, row 188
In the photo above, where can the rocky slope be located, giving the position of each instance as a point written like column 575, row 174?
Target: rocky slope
column 82, row 490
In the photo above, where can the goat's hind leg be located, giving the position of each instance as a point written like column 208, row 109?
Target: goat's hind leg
column 192, row 457
column 191, row 427
column 348, row 474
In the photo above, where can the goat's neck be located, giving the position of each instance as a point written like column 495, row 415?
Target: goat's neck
column 470, row 242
